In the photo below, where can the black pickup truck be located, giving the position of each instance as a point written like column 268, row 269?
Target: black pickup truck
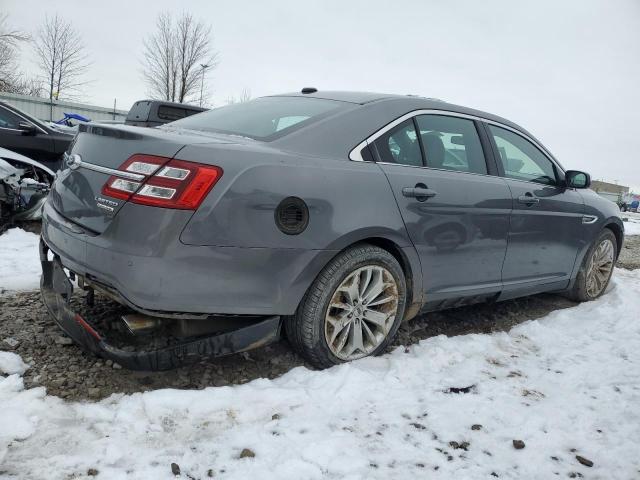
column 151, row 113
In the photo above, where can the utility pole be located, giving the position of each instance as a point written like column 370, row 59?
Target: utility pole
column 204, row 67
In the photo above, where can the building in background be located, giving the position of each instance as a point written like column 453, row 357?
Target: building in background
column 607, row 188
column 616, row 193
column 52, row 110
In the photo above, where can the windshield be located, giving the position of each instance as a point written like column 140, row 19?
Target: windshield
column 262, row 119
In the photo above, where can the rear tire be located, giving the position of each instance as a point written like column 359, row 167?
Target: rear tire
column 596, row 269
column 352, row 310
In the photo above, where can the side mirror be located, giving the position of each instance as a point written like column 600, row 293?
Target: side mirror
column 577, row 179
column 27, row 128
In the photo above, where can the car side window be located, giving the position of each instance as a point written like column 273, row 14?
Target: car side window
column 400, row 145
column 521, row 159
column 9, row 119
column 451, row 143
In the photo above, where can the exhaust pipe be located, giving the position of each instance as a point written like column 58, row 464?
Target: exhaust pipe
column 138, row 323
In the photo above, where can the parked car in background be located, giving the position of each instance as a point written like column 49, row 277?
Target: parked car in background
column 333, row 216
column 24, row 134
column 152, row 113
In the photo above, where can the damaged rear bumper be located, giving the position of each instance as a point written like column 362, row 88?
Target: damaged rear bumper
column 56, row 289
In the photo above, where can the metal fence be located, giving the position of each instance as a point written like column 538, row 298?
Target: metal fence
column 52, row 110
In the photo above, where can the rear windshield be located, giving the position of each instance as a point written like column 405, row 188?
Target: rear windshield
column 265, row 118
column 139, row 111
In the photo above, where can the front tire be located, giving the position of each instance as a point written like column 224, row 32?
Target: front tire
column 596, row 269
column 352, row 310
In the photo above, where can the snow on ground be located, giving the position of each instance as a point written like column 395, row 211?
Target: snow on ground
column 567, row 384
column 11, row 363
column 632, row 225
column 19, row 261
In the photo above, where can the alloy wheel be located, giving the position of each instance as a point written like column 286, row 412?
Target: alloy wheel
column 600, row 268
column 361, row 312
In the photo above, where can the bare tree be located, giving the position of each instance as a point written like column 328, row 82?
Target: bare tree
column 61, row 57
column 24, row 85
column 9, row 39
column 173, row 56
column 245, row 96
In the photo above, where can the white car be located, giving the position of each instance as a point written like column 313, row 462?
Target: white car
column 24, row 185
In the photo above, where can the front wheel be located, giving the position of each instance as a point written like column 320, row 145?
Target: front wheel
column 352, row 310
column 597, row 268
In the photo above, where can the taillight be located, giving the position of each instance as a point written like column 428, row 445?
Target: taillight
column 141, row 166
column 162, row 182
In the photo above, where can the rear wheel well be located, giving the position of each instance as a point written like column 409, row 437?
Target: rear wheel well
column 617, row 232
column 392, row 248
column 398, row 254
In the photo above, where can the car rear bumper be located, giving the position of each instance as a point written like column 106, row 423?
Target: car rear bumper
column 56, row 289
column 153, row 272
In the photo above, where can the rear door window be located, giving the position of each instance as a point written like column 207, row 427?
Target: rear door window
column 451, row 143
column 400, row 145
column 521, row 159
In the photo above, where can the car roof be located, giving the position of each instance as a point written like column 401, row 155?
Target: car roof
column 412, row 102
column 342, row 96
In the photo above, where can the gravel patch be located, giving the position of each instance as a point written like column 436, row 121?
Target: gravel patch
column 630, row 253
column 66, row 371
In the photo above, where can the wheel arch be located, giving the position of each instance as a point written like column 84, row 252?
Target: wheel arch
column 399, row 254
column 618, row 232
column 406, row 255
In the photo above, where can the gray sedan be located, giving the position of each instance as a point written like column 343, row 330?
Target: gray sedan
column 329, row 217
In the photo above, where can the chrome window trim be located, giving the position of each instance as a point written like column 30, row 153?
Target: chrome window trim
column 450, row 170
column 356, row 155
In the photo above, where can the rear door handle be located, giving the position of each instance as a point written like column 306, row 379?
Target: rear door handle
column 420, row 193
column 528, row 199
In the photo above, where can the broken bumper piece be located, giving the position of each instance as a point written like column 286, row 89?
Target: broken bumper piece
column 56, row 289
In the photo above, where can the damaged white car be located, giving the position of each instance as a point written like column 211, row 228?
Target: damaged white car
column 24, row 185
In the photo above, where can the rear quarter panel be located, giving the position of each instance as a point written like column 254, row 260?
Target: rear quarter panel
column 346, row 201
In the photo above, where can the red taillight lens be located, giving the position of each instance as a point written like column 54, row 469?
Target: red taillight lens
column 164, row 182
column 140, row 165
column 178, row 184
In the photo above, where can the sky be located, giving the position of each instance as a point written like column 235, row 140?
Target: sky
column 568, row 71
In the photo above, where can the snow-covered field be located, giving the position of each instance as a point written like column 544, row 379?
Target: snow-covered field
column 566, row 385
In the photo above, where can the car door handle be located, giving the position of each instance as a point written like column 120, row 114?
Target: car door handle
column 528, row 199
column 419, row 193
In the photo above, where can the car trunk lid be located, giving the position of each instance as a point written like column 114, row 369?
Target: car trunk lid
column 96, row 154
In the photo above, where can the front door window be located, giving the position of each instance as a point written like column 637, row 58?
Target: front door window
column 521, row 159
